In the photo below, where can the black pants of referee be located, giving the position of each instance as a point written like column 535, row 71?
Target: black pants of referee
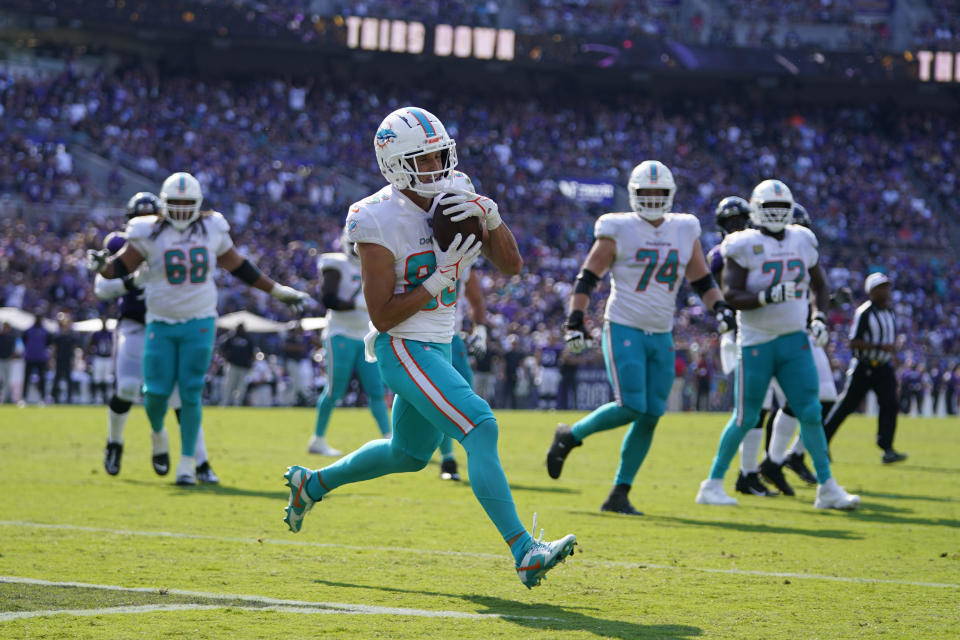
column 865, row 376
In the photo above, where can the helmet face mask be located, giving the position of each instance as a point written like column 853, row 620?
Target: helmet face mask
column 771, row 206
column 651, row 188
column 180, row 200
column 143, row 203
column 403, row 138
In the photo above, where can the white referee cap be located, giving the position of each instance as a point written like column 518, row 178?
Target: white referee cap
column 875, row 280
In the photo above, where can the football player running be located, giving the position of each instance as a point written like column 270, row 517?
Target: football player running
column 475, row 345
column 182, row 246
column 128, row 356
column 733, row 214
column 409, row 284
column 649, row 252
column 347, row 321
column 780, row 451
column 772, row 276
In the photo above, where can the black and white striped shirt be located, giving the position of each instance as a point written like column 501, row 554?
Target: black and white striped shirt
column 874, row 326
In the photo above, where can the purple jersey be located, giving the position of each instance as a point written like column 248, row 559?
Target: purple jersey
column 132, row 305
column 715, row 260
column 101, row 343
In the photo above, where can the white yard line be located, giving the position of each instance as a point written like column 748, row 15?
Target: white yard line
column 269, row 604
column 466, row 554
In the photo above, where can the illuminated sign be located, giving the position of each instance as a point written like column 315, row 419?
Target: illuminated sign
column 401, row 36
column 938, row 66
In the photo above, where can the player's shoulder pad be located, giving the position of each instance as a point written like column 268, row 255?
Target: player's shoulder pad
column 688, row 220
column 734, row 241
column 217, row 222
column 462, row 181
column 362, row 224
column 805, row 233
column 330, row 261
column 608, row 225
column 141, row 227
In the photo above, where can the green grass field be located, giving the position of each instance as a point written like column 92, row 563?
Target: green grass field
column 86, row 555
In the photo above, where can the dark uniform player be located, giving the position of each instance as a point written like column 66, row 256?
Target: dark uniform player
column 129, row 356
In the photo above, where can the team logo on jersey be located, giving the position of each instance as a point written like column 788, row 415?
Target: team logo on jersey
column 757, row 248
column 385, row 137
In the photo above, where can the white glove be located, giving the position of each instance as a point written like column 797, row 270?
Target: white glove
column 452, row 262
column 783, row 292
column 140, row 276
column 369, row 350
column 467, row 204
column 477, row 342
column 818, row 330
column 576, row 335
column 290, row 296
column 97, row 259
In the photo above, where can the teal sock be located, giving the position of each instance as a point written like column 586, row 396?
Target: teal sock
column 372, row 460
column 635, row 446
column 190, row 416
column 815, row 441
column 379, row 410
column 520, row 546
column 488, row 481
column 446, row 448
column 156, row 408
column 325, row 406
column 729, row 444
column 608, row 416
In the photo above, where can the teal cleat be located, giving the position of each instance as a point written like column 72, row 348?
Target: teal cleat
column 300, row 502
column 543, row 556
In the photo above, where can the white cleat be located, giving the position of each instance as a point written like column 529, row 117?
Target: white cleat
column 319, row 446
column 831, row 495
column 187, row 471
column 711, row 492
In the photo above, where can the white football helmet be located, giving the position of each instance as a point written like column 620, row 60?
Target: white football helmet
column 181, row 186
column 651, row 174
column 771, row 205
column 405, row 134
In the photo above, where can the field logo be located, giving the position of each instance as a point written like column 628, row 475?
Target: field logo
column 385, row 137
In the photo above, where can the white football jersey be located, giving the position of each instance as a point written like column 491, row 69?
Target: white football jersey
column 649, row 267
column 769, row 261
column 351, row 323
column 180, row 284
column 390, row 219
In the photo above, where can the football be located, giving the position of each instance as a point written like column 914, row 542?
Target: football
column 445, row 230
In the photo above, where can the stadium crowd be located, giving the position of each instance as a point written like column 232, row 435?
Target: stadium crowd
column 871, row 178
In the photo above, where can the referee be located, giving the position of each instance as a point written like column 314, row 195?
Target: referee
column 872, row 337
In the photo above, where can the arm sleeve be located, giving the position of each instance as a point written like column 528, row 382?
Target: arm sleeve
column 108, row 289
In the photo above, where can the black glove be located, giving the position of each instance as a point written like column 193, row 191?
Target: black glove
column 576, row 334
column 726, row 317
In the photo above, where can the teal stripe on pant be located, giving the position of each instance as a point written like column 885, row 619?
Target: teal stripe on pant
column 640, row 367
column 177, row 353
column 788, row 358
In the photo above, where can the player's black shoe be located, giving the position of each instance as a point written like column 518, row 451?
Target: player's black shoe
column 563, row 442
column 448, row 470
column 112, row 456
column 774, row 473
column 795, row 463
column 890, row 456
column 205, row 474
column 161, row 464
column 617, row 502
column 750, row 484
